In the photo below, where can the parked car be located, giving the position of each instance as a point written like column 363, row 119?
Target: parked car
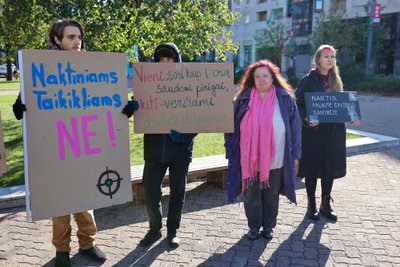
column 3, row 71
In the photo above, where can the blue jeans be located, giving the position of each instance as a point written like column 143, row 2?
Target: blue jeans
column 261, row 205
column 153, row 175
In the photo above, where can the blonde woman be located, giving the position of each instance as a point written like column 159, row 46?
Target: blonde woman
column 323, row 145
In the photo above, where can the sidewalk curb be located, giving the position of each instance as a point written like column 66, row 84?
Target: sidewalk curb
column 11, row 197
column 370, row 142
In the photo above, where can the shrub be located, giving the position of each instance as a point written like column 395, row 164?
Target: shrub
column 351, row 73
column 293, row 81
column 383, row 86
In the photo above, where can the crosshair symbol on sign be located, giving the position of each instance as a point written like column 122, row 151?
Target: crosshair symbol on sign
column 109, row 182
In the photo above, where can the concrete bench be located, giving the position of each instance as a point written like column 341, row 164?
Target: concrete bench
column 212, row 168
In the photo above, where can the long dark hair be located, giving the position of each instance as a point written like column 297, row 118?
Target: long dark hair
column 248, row 82
column 57, row 31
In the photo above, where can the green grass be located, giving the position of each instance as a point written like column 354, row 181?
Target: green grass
column 9, row 85
column 204, row 145
column 12, row 133
column 352, row 136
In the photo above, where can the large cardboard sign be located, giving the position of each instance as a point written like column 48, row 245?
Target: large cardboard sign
column 76, row 140
column 187, row 97
column 3, row 153
column 332, row 107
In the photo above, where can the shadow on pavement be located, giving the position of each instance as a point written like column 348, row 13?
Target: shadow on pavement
column 238, row 254
column 303, row 246
column 144, row 256
column 201, row 197
column 11, row 213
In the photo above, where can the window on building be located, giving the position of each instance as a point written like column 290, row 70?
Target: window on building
column 247, row 52
column 276, row 13
column 261, row 1
column 247, row 19
column 237, row 3
column 247, row 2
column 289, row 8
column 302, row 17
column 262, row 16
column 319, row 5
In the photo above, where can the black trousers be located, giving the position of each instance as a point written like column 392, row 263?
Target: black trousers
column 153, row 175
column 311, row 186
column 261, row 205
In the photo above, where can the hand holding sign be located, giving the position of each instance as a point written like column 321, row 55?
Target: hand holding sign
column 131, row 107
column 18, row 109
column 332, row 107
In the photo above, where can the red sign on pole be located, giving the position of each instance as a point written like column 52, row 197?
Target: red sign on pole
column 376, row 16
column 291, row 33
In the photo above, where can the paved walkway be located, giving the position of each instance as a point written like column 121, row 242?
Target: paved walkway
column 366, row 234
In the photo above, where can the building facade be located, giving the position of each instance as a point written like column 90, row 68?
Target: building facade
column 300, row 16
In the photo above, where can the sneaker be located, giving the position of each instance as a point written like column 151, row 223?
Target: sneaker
column 173, row 241
column 150, row 238
column 253, row 234
column 94, row 253
column 62, row 259
column 268, row 233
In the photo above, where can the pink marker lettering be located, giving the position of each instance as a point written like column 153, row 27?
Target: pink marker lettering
column 111, row 131
column 87, row 135
column 62, row 132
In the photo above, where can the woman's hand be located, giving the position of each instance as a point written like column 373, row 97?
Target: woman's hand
column 356, row 122
column 313, row 124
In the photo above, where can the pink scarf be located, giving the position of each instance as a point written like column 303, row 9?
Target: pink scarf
column 257, row 138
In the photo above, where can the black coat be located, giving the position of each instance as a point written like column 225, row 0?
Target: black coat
column 160, row 147
column 324, row 146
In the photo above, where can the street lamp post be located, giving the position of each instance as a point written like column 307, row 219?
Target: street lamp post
column 368, row 64
column 294, row 39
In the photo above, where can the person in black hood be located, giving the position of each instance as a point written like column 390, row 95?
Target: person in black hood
column 161, row 152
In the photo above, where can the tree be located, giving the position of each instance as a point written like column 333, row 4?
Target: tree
column 21, row 25
column 270, row 41
column 196, row 26
column 332, row 29
column 348, row 36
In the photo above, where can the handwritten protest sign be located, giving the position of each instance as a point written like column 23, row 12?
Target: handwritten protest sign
column 76, row 140
column 3, row 154
column 332, row 107
column 187, row 97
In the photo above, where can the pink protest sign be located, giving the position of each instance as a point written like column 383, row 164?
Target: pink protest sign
column 76, row 140
column 187, row 97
